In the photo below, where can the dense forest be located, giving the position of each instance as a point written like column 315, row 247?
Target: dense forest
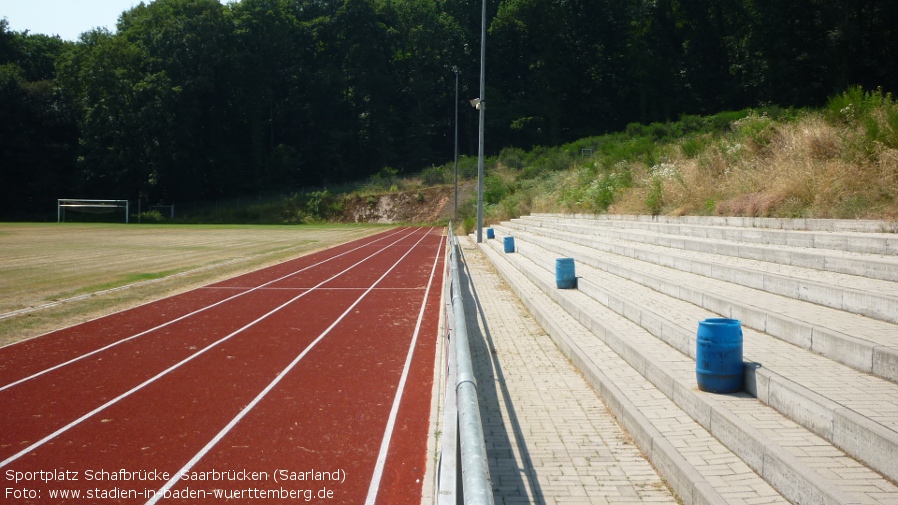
column 195, row 99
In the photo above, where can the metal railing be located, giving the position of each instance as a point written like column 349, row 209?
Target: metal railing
column 464, row 475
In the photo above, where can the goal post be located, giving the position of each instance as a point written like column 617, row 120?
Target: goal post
column 89, row 206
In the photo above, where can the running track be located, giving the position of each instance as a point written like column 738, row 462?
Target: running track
column 319, row 364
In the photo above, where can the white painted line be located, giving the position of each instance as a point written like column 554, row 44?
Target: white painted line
column 374, row 487
column 328, row 289
column 224, row 431
column 169, row 369
column 132, row 337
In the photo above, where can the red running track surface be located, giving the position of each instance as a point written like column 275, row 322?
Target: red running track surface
column 306, row 382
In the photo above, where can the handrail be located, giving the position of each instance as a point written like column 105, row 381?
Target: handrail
column 476, row 486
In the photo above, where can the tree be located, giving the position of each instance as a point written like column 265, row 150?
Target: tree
column 38, row 135
column 182, row 54
column 429, row 44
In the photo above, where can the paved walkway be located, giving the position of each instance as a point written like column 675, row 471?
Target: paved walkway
column 550, row 438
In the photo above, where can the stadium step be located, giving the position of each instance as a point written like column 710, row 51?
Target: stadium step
column 873, row 298
column 806, row 418
column 765, row 295
column 698, row 467
column 875, row 266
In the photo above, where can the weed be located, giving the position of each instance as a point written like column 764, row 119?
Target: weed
column 512, row 157
column 434, row 176
column 149, row 216
column 654, row 201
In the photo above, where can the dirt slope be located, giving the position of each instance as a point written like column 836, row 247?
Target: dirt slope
column 425, row 205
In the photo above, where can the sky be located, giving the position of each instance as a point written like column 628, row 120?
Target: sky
column 66, row 18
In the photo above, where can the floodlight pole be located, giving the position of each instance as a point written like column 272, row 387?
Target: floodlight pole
column 455, row 218
column 482, row 108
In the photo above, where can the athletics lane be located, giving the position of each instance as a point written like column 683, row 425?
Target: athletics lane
column 330, row 412
column 174, row 414
column 22, row 360
column 78, row 389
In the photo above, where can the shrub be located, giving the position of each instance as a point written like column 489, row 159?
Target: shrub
column 852, row 105
column 495, row 189
column 322, row 205
column 758, row 129
column 602, row 192
column 149, row 216
column 434, row 176
column 693, row 146
column 654, row 200
column 512, row 157
column 874, row 113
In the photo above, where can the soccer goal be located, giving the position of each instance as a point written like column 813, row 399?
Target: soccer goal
column 64, row 205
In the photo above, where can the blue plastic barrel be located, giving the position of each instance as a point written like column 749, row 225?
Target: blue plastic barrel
column 718, row 356
column 490, row 233
column 508, row 242
column 565, row 276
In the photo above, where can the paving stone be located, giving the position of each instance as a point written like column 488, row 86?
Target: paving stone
column 556, row 426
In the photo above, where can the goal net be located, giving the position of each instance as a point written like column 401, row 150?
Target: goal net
column 95, row 208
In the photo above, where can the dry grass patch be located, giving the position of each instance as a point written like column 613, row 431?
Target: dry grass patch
column 44, row 263
column 805, row 168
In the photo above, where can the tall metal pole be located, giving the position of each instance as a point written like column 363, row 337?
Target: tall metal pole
column 482, row 110
column 455, row 218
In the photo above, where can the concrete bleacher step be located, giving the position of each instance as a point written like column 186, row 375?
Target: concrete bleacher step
column 863, row 343
column 802, row 466
column 874, row 266
column 874, row 298
column 819, row 394
column 697, row 466
column 765, row 223
column 875, row 237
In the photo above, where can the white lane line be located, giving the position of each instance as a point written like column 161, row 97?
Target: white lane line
column 224, row 431
column 374, row 487
column 132, row 337
column 170, row 369
column 300, row 288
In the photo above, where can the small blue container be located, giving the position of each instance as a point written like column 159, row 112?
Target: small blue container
column 565, row 276
column 718, row 355
column 508, row 242
column 490, row 233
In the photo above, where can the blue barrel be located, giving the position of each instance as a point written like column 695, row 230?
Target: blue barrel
column 565, row 276
column 508, row 242
column 718, row 355
column 490, row 233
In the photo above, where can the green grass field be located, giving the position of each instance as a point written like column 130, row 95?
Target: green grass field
column 78, row 265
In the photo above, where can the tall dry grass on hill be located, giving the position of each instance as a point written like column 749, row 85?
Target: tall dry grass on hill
column 808, row 168
column 837, row 162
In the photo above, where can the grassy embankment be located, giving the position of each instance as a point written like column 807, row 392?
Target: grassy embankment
column 838, row 162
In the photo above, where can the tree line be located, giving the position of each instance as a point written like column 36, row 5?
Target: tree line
column 195, row 99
